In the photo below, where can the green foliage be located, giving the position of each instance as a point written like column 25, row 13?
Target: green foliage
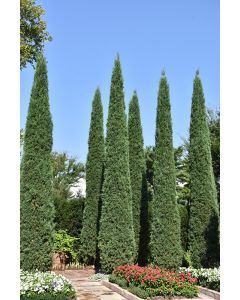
column 149, row 157
column 213, row 117
column 66, row 173
column 138, row 179
column 33, row 32
column 138, row 291
column 122, row 282
column 184, row 219
column 116, row 236
column 204, row 214
column 21, row 142
column 69, row 215
column 94, row 179
column 64, row 242
column 165, row 238
column 182, row 174
column 187, row 259
column 37, row 209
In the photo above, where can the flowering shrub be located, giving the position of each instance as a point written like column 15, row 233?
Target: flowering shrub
column 209, row 278
column 34, row 285
column 158, row 282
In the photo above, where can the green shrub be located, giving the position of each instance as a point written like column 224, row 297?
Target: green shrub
column 66, row 243
column 112, row 278
column 138, row 291
column 122, row 282
column 187, row 259
column 69, row 215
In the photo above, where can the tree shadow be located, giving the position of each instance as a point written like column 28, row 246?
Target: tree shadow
column 143, row 247
column 212, row 258
column 97, row 261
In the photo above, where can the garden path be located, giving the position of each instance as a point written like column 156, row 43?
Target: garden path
column 93, row 290
column 88, row 289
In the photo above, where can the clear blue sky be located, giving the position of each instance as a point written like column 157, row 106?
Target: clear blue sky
column 177, row 36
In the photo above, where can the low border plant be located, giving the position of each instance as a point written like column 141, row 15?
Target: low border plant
column 153, row 281
column 44, row 286
column 99, row 277
column 209, row 278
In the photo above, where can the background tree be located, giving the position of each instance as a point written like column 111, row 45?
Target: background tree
column 165, row 239
column 204, row 216
column 37, row 209
column 69, row 216
column 67, row 171
column 138, row 179
column 116, row 236
column 94, row 180
column 33, row 32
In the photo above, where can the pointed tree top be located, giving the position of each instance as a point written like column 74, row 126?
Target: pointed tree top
column 97, row 90
column 197, row 72
column 163, row 73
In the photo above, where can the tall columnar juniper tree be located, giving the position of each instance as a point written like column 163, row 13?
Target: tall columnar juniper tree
column 116, row 236
column 165, row 238
column 137, row 168
column 37, row 208
column 94, row 179
column 204, row 217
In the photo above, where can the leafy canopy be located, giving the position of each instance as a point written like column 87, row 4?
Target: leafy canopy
column 33, row 32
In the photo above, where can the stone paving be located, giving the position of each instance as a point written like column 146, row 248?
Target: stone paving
column 93, row 290
column 88, row 289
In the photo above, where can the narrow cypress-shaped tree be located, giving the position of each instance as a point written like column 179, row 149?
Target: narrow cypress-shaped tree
column 204, row 218
column 165, row 239
column 37, row 208
column 137, row 168
column 94, row 177
column 116, row 236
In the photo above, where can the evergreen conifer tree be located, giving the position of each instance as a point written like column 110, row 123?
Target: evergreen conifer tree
column 116, row 236
column 94, row 178
column 37, row 208
column 204, row 217
column 165, row 239
column 138, row 179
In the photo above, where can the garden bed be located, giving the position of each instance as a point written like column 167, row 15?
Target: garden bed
column 154, row 282
column 207, row 278
column 45, row 286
